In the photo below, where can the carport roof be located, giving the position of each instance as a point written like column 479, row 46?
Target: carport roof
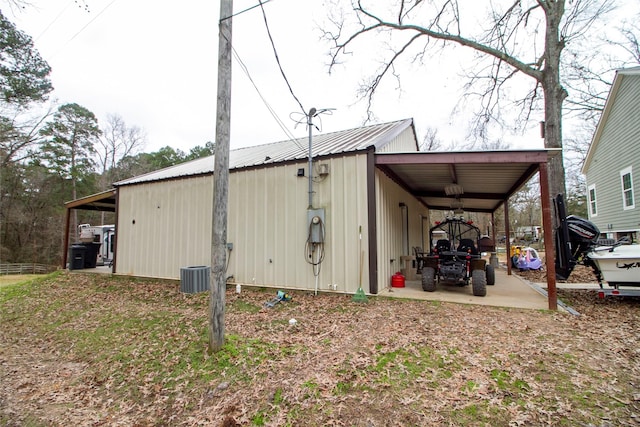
column 487, row 178
column 105, row 201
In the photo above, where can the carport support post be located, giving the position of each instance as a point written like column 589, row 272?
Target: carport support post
column 65, row 252
column 493, row 227
column 507, row 234
column 549, row 252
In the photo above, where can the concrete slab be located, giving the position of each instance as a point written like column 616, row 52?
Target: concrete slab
column 559, row 285
column 509, row 291
column 100, row 269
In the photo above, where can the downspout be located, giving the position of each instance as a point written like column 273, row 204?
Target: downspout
column 372, row 220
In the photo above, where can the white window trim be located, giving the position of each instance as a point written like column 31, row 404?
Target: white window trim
column 589, row 201
column 623, row 172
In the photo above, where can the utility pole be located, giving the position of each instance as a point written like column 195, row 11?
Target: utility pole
column 218, row 282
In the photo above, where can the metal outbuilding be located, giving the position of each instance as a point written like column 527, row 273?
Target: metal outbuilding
column 372, row 189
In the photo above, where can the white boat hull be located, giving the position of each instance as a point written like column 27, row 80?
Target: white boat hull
column 620, row 265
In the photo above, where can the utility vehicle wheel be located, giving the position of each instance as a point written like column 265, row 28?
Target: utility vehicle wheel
column 479, row 283
column 428, row 279
column 491, row 275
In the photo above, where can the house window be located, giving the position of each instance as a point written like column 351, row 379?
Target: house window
column 627, row 188
column 592, row 201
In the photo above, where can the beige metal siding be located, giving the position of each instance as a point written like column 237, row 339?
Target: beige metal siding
column 347, row 200
column 267, row 209
column 267, row 225
column 403, row 143
column 163, row 226
column 389, row 195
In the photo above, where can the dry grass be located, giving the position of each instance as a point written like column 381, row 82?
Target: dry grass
column 12, row 279
column 78, row 349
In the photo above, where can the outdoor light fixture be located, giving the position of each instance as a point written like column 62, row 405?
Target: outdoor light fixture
column 457, row 204
column 453, row 190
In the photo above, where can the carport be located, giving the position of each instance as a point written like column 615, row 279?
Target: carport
column 101, row 202
column 477, row 182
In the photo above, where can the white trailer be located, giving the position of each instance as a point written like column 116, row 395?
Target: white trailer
column 530, row 233
column 103, row 234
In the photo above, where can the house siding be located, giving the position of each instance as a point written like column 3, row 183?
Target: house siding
column 617, row 149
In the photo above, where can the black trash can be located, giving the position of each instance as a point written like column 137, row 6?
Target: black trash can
column 77, row 258
column 91, row 254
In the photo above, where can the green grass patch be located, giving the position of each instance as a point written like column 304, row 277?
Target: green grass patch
column 244, row 307
column 505, row 382
column 342, row 388
column 477, row 413
column 311, row 389
column 401, row 367
column 23, row 286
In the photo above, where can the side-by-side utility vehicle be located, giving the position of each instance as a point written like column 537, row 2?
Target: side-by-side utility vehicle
column 454, row 258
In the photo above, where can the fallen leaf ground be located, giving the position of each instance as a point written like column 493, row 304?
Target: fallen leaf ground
column 580, row 274
column 79, row 349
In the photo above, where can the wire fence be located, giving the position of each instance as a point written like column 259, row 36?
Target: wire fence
column 26, row 269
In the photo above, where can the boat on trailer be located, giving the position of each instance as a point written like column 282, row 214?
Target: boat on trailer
column 619, row 264
column 577, row 242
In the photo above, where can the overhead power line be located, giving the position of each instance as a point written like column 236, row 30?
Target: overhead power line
column 264, row 100
column 243, row 11
column 54, row 21
column 81, row 29
column 275, row 52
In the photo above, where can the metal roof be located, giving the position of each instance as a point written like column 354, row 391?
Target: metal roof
column 345, row 141
column 487, row 178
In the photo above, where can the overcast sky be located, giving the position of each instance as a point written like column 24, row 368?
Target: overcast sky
column 155, row 64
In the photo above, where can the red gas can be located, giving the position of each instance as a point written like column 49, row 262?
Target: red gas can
column 397, row 280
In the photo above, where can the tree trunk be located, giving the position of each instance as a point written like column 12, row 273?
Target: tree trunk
column 554, row 96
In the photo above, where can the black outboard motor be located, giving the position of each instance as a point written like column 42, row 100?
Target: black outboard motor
column 583, row 235
column 575, row 237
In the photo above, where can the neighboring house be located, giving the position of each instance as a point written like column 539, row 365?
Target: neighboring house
column 164, row 217
column 612, row 166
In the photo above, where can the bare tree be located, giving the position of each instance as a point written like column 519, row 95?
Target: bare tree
column 17, row 5
column 117, row 142
column 487, row 145
column 514, row 38
column 431, row 142
column 19, row 131
column 590, row 68
column 631, row 35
